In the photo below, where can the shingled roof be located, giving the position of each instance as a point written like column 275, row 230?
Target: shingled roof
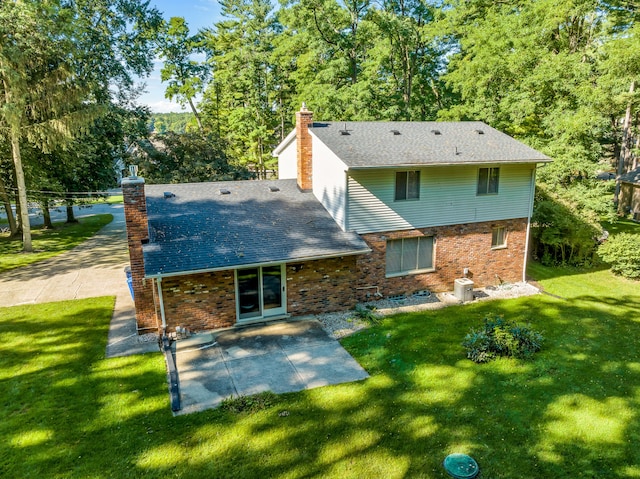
column 366, row 144
column 632, row 177
column 225, row 225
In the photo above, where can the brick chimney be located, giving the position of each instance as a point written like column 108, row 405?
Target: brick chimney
column 304, row 118
column 135, row 214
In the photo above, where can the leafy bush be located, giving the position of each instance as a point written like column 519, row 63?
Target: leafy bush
column 622, row 252
column 565, row 227
column 367, row 314
column 499, row 337
column 479, row 346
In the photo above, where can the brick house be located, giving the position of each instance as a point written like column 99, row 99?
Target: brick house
column 360, row 210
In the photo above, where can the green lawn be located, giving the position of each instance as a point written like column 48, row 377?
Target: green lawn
column 49, row 243
column 572, row 412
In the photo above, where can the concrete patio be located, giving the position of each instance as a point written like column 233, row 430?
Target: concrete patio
column 279, row 357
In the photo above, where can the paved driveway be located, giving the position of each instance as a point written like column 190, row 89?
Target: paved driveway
column 94, row 268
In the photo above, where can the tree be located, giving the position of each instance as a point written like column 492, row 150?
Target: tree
column 186, row 77
column 59, row 63
column 335, row 73
column 40, row 100
column 241, row 99
column 411, row 58
column 187, row 157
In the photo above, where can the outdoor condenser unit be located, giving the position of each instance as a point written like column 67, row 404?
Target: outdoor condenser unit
column 463, row 289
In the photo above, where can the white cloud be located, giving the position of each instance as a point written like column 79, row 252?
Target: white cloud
column 166, row 106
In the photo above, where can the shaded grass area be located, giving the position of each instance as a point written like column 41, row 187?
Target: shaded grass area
column 572, row 412
column 49, row 243
column 622, row 225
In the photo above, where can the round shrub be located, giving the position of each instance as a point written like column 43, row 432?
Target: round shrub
column 622, row 252
column 499, row 337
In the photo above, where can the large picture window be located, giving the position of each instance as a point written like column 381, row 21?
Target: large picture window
column 488, row 179
column 407, row 185
column 409, row 255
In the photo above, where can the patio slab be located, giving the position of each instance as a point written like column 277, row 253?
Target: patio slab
column 280, row 357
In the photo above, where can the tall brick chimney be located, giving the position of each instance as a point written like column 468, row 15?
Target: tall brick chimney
column 304, row 118
column 135, row 214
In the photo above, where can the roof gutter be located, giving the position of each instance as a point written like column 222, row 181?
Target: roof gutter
column 160, row 275
column 456, row 163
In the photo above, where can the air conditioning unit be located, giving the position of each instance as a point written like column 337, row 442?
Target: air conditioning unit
column 463, row 289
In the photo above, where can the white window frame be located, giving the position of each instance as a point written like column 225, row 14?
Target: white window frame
column 409, row 271
column 407, row 187
column 494, row 232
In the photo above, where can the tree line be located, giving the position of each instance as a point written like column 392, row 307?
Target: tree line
column 560, row 76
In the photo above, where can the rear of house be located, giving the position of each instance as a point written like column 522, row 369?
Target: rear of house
column 361, row 210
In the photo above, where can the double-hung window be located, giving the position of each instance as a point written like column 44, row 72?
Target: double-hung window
column 407, row 185
column 409, row 255
column 488, row 179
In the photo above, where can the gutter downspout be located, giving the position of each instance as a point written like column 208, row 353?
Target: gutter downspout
column 526, row 244
column 162, row 315
column 174, row 385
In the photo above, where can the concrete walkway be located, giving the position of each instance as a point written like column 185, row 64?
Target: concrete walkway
column 94, row 268
column 279, row 357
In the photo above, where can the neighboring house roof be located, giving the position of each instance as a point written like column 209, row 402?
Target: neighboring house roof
column 632, row 177
column 404, row 144
column 200, row 229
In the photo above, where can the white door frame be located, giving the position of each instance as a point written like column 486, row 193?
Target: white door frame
column 258, row 312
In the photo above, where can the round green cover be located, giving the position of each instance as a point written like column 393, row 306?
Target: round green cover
column 461, row 466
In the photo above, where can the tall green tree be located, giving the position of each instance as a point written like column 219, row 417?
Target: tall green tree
column 335, row 74
column 529, row 68
column 61, row 63
column 187, row 157
column 40, row 100
column 240, row 100
column 185, row 76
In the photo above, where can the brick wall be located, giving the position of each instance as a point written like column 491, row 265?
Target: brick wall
column 207, row 301
column 303, row 139
column 200, row 301
column 457, row 247
column 321, row 286
column 135, row 213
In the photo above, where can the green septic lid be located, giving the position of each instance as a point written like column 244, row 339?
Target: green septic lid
column 461, row 466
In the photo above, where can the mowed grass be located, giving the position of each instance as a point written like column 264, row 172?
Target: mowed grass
column 49, row 243
column 572, row 412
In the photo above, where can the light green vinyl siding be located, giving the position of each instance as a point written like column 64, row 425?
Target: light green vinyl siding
column 448, row 196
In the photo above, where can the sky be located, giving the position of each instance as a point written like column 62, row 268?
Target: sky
column 198, row 14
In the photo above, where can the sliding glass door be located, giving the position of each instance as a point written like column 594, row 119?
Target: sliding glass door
column 261, row 292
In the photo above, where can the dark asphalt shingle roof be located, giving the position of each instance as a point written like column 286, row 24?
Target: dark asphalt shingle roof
column 631, row 177
column 200, row 229
column 374, row 145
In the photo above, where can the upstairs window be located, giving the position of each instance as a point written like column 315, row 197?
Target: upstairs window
column 409, row 255
column 407, row 185
column 488, row 179
column 499, row 237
